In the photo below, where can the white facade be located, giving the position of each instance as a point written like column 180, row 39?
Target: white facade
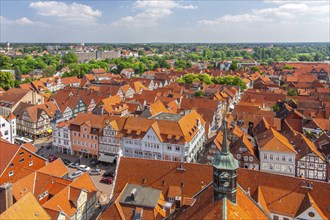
column 56, row 86
column 8, row 129
column 108, row 142
column 277, row 162
column 151, row 147
column 62, row 139
column 312, row 167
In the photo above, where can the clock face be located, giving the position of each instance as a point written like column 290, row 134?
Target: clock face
column 224, row 175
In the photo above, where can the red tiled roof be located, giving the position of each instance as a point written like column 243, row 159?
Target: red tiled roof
column 7, row 152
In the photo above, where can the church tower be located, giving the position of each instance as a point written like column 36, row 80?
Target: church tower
column 225, row 168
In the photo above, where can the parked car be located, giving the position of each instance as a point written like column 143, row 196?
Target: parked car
column 73, row 165
column 107, row 180
column 94, row 162
column 109, row 173
column 95, row 172
column 52, row 158
column 76, row 174
column 66, row 161
column 84, row 168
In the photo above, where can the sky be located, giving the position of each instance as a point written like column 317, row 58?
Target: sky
column 216, row 21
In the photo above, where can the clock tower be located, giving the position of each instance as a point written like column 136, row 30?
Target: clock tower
column 225, row 168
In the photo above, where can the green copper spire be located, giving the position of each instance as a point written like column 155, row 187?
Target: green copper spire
column 224, row 146
column 224, row 159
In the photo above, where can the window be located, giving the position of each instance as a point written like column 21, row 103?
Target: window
column 3, row 125
column 30, row 155
column 74, row 133
column 11, row 173
column 290, row 159
column 169, row 147
column 277, row 157
column 21, row 160
column 285, row 218
column 271, row 157
column 320, row 166
column 283, row 158
column 311, row 159
column 238, row 156
column 87, row 136
column 12, row 165
column 85, row 129
column 83, row 135
column 59, row 134
column 6, row 132
column 271, row 167
column 176, row 148
column 21, row 154
column 30, row 163
column 246, row 158
column 311, row 214
column 265, row 156
column 43, row 195
column 250, row 158
column 275, row 217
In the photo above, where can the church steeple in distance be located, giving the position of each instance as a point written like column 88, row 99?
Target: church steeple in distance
column 225, row 168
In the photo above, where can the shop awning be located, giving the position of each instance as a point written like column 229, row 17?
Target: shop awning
column 49, row 130
column 106, row 158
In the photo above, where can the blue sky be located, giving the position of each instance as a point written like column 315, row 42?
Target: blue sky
column 164, row 21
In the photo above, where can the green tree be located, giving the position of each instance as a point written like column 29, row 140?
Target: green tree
column 292, row 92
column 233, row 66
column 48, row 71
column 270, row 61
column 199, row 93
column 6, row 80
column 70, row 58
column 255, row 69
column 287, row 67
column 276, row 108
column 5, row 62
column 205, row 78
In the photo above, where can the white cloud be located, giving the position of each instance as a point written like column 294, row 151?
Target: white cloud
column 151, row 12
column 20, row 21
column 4, row 20
column 24, row 21
column 66, row 11
column 286, row 12
column 279, row 2
column 232, row 18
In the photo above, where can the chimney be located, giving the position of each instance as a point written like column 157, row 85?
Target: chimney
column 6, row 195
column 177, row 202
column 133, row 194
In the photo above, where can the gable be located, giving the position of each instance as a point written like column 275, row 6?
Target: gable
column 310, row 213
column 151, row 136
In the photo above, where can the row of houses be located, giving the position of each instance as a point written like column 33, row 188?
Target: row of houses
column 164, row 136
